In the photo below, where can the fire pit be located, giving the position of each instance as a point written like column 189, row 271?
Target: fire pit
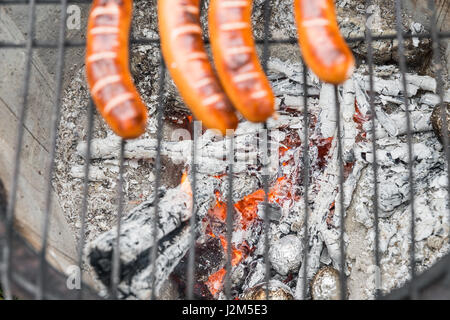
column 339, row 197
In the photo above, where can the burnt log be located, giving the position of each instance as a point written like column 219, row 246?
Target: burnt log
column 137, row 240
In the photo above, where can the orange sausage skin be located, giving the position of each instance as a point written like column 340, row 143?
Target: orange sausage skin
column 108, row 75
column 189, row 65
column 323, row 48
column 236, row 60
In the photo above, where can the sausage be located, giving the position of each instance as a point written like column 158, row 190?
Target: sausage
column 323, row 48
column 236, row 60
column 188, row 63
column 107, row 70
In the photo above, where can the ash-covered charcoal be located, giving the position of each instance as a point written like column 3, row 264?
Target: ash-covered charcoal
column 256, row 274
column 277, row 291
column 238, row 275
column 286, row 254
column 212, row 149
column 136, row 240
column 170, row 252
column 436, row 120
column 209, row 258
column 326, row 284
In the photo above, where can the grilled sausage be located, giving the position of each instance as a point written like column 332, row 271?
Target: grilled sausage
column 323, row 48
column 107, row 70
column 189, row 66
column 236, row 60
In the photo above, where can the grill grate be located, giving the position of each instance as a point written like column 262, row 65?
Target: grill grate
column 51, row 284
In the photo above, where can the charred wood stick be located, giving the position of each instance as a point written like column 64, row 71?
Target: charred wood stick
column 135, row 276
column 137, row 237
column 393, row 87
column 170, row 253
column 212, row 155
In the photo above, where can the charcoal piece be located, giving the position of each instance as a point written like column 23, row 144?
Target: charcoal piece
column 436, row 120
column 209, row 258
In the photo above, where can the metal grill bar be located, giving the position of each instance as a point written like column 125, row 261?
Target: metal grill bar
column 370, row 63
column 343, row 277
column 159, row 136
column 230, row 215
column 39, row 44
column 54, row 133
column 402, row 65
column 193, row 220
column 305, row 174
column 265, row 176
column 84, row 202
column 115, row 270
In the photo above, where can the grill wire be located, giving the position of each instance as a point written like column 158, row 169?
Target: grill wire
column 50, row 284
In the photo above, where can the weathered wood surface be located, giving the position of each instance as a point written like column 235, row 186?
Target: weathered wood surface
column 32, row 182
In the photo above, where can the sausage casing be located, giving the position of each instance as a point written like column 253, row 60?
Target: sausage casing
column 189, row 65
column 323, row 48
column 107, row 70
column 236, row 60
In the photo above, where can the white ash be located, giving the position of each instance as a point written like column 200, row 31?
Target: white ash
column 238, row 276
column 137, row 225
column 433, row 99
column 430, row 208
column 431, row 211
column 257, row 272
column 430, row 201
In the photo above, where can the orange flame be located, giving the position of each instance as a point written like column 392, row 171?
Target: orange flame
column 215, row 280
column 248, row 207
column 220, row 209
column 236, row 254
column 282, row 150
column 185, row 185
column 359, row 119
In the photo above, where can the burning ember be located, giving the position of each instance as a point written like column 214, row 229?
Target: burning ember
column 246, row 214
